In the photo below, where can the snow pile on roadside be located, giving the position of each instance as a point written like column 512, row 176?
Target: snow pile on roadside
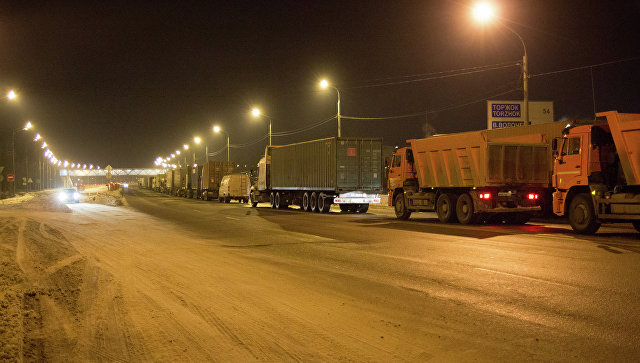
column 103, row 196
column 43, row 201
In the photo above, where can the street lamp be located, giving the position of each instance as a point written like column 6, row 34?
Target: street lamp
column 325, row 84
column 255, row 112
column 217, row 129
column 483, row 13
column 27, row 126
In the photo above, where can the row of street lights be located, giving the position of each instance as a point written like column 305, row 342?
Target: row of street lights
column 47, row 153
column 256, row 113
column 482, row 12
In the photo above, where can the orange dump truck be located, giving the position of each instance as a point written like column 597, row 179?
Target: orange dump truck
column 496, row 175
column 597, row 173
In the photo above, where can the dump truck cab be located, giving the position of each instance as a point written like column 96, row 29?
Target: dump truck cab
column 401, row 169
column 597, row 173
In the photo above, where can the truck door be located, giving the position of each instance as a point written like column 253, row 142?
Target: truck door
column 569, row 163
column 395, row 171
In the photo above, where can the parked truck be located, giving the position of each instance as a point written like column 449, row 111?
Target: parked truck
column 316, row 174
column 499, row 175
column 212, row 173
column 597, row 173
column 195, row 190
column 235, row 187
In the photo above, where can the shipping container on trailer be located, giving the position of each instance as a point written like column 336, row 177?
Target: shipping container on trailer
column 212, row 173
column 315, row 174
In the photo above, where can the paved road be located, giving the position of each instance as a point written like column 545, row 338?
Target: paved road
column 419, row 289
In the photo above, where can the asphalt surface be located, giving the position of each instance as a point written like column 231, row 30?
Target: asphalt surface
column 444, row 291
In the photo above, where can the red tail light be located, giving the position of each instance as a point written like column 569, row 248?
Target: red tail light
column 485, row 196
column 533, row 196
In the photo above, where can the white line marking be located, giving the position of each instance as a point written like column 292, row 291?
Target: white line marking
column 235, row 219
column 525, row 277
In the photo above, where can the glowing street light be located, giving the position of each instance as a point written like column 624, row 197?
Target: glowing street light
column 484, row 13
column 255, row 112
column 28, row 126
column 185, row 146
column 218, row 130
column 325, row 84
column 11, row 95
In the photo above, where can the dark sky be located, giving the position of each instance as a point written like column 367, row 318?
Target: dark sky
column 111, row 82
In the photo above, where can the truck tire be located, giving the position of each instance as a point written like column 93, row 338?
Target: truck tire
column 278, row 204
column 465, row 210
column 323, row 204
column 272, row 200
column 582, row 216
column 363, row 208
column 305, row 202
column 446, row 208
column 313, row 202
column 636, row 225
column 400, row 207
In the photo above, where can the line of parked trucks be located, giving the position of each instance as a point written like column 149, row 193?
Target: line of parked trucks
column 589, row 172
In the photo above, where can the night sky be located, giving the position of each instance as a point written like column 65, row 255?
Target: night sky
column 121, row 83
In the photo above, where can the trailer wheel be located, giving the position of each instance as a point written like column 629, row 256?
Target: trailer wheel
column 464, row 209
column 323, row 204
column 581, row 215
column 272, row 200
column 254, row 203
column 400, row 207
column 305, row 202
column 363, row 208
column 313, row 202
column 278, row 205
column 446, row 208
column 636, row 225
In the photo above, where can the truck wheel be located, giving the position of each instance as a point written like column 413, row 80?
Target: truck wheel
column 581, row 215
column 363, row 208
column 278, row 205
column 272, row 200
column 446, row 208
column 400, row 207
column 305, row 202
column 323, row 204
column 464, row 209
column 313, row 202
column 636, row 225
column 254, row 203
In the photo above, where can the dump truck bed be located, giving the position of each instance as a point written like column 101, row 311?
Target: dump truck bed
column 471, row 159
column 625, row 130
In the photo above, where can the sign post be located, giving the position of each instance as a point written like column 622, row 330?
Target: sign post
column 10, row 177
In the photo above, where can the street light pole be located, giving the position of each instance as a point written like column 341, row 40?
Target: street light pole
column 324, row 84
column 525, row 75
column 483, row 12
